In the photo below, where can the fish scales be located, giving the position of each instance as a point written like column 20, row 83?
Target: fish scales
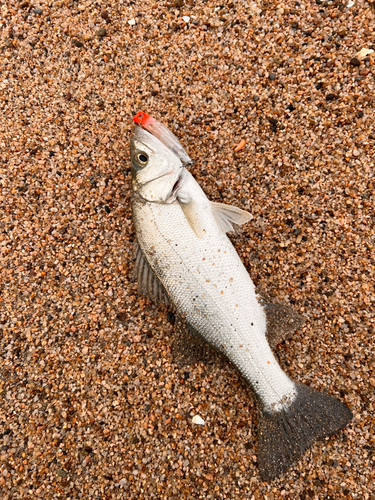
column 208, row 284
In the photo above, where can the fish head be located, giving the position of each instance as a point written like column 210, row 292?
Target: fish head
column 156, row 170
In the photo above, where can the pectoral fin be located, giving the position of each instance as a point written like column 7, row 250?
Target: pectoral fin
column 225, row 215
column 192, row 216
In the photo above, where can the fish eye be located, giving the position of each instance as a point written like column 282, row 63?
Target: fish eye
column 141, row 159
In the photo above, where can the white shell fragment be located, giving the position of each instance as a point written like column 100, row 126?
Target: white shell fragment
column 363, row 53
column 198, row 420
column 131, row 22
column 186, row 19
column 121, row 482
column 350, row 3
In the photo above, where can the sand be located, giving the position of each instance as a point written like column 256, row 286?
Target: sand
column 92, row 402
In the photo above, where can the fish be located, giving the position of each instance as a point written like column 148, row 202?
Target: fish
column 185, row 259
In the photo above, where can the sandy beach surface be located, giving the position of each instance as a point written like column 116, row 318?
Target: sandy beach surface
column 92, row 402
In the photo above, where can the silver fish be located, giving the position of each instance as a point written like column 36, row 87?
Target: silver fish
column 186, row 258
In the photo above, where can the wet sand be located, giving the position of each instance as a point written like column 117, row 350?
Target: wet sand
column 90, row 394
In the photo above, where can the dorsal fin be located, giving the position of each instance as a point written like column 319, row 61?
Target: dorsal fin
column 225, row 215
column 148, row 283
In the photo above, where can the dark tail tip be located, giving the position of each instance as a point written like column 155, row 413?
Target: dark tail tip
column 284, row 436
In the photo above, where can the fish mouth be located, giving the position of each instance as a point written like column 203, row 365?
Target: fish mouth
column 176, row 186
column 148, row 139
column 160, row 133
column 172, row 195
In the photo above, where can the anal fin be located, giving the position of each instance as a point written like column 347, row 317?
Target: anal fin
column 188, row 348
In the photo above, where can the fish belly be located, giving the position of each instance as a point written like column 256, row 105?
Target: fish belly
column 212, row 290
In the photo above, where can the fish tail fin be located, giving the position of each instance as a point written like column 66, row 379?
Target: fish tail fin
column 285, row 435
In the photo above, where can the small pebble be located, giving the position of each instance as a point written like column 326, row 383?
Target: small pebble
column 240, row 145
column 101, row 32
column 61, row 473
column 77, row 43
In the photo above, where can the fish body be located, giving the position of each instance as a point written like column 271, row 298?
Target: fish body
column 210, row 287
column 182, row 240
